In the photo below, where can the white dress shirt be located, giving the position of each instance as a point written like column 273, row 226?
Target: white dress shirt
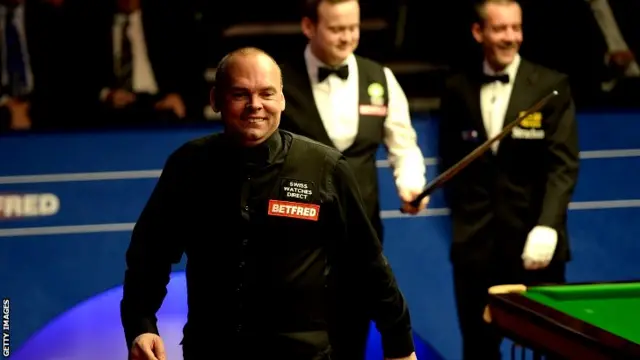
column 337, row 101
column 143, row 78
column 494, row 100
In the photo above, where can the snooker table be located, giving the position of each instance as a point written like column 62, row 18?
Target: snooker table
column 570, row 321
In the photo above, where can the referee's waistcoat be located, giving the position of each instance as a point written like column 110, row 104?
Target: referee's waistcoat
column 261, row 279
column 302, row 117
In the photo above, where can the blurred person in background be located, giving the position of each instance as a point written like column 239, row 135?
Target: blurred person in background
column 621, row 34
column 355, row 105
column 145, row 60
column 592, row 41
column 509, row 207
column 33, row 84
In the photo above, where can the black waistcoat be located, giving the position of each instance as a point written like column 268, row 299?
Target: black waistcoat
column 302, row 117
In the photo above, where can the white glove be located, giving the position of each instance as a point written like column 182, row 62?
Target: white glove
column 539, row 248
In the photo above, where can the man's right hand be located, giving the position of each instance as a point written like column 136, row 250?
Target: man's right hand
column 148, row 347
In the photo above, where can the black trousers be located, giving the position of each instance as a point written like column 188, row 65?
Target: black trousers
column 313, row 345
column 471, row 283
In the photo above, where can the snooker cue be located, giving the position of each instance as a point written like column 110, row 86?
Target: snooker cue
column 450, row 172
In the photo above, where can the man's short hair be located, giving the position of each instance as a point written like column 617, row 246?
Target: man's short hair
column 310, row 7
column 480, row 8
column 222, row 71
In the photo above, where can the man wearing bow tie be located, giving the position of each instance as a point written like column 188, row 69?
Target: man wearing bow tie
column 509, row 207
column 355, row 105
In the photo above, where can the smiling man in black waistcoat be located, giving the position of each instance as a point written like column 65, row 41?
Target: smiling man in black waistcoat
column 355, row 105
column 351, row 103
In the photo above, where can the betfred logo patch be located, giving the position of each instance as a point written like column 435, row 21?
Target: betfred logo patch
column 294, row 210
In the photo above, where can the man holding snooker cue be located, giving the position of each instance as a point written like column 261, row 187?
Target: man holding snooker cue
column 508, row 207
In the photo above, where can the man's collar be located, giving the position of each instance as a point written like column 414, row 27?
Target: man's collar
column 261, row 154
column 511, row 69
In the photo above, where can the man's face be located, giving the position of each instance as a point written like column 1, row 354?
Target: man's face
column 251, row 101
column 336, row 34
column 501, row 34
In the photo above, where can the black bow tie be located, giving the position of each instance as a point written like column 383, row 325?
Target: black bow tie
column 504, row 78
column 342, row 72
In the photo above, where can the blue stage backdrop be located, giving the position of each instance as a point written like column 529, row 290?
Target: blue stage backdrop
column 69, row 201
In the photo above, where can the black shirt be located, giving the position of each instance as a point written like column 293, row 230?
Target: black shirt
column 267, row 265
